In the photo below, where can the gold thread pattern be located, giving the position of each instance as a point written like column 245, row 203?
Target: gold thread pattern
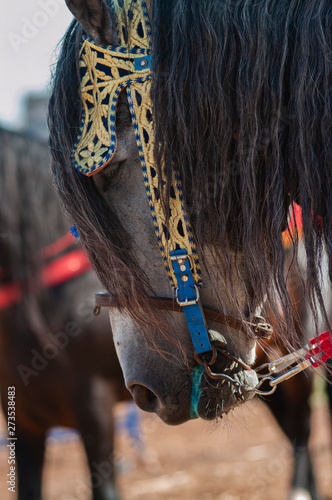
column 105, row 72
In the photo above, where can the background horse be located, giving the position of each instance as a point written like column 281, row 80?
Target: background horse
column 58, row 356
column 290, row 404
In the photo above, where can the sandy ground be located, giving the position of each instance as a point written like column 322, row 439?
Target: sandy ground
column 245, row 457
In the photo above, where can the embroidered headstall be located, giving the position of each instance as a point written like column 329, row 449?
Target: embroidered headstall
column 105, row 72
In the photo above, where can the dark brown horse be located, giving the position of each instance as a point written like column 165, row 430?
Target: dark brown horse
column 59, row 358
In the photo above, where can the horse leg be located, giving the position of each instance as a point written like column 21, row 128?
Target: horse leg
column 29, row 455
column 96, row 399
column 299, row 433
column 290, row 406
column 304, row 486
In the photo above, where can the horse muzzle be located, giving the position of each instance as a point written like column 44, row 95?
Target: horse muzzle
column 220, row 395
column 221, row 383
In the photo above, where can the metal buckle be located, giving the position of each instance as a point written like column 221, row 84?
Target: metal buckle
column 187, row 302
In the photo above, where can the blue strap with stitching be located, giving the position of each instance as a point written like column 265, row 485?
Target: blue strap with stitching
column 187, row 295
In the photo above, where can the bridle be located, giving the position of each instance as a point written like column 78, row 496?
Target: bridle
column 259, row 328
column 105, row 72
column 317, row 352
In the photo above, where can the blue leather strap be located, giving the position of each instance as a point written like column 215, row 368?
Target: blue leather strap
column 187, row 295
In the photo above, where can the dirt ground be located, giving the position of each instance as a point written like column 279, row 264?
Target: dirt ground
column 244, row 457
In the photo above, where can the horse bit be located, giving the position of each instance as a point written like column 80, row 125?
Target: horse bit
column 105, row 72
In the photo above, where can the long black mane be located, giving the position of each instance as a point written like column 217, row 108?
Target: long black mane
column 242, row 106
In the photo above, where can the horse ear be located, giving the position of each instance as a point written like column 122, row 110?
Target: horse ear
column 95, row 18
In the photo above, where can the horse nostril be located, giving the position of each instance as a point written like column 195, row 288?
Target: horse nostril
column 144, row 398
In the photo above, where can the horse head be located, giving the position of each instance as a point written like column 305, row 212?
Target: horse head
column 158, row 162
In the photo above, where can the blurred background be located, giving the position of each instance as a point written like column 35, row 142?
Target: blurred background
column 30, row 32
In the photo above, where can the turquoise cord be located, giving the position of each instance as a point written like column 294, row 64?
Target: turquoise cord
column 196, row 390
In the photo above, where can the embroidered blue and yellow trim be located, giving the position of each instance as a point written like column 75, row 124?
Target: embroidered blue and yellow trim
column 105, row 72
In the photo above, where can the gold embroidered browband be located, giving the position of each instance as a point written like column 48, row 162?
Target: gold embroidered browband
column 105, row 72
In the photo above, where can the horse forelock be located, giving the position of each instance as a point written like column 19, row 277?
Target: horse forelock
column 242, row 107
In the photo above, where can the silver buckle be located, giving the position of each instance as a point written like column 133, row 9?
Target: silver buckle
column 187, row 302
